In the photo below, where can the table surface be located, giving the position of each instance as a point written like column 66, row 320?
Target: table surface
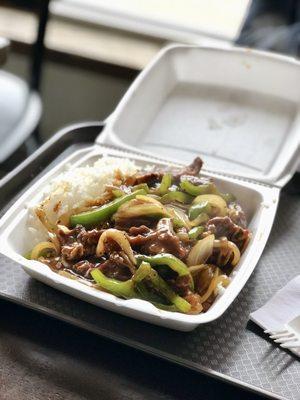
column 44, row 355
column 42, row 358
column 96, row 42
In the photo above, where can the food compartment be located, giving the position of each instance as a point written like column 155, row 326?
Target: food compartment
column 259, row 203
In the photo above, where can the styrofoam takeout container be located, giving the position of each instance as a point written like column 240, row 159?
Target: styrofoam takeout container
column 238, row 109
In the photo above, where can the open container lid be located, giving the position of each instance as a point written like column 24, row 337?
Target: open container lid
column 237, row 108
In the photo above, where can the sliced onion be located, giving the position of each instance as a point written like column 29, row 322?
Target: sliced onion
column 182, row 236
column 217, row 203
column 125, row 257
column 194, row 269
column 120, row 238
column 148, row 199
column 201, row 251
column 64, row 219
column 41, row 249
column 141, row 206
column 200, row 220
column 179, row 216
column 228, row 250
column 64, row 229
column 222, row 279
column 203, row 278
column 153, row 196
column 40, row 213
column 236, row 253
column 54, row 239
column 211, row 287
column 223, row 253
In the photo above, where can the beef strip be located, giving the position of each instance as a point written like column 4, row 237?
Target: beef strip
column 207, row 304
column 127, row 223
column 83, row 268
column 195, row 301
column 154, row 177
column 89, row 238
column 223, row 226
column 68, row 236
column 139, row 230
column 159, row 240
column 192, row 169
column 78, row 248
column 116, row 267
column 149, row 177
column 181, row 285
column 78, row 243
column 53, row 262
column 74, row 251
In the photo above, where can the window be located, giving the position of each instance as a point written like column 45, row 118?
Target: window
column 175, row 20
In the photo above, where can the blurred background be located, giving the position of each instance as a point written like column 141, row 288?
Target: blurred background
column 64, row 61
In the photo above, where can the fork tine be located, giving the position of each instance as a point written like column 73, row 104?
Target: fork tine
column 280, row 335
column 269, row 331
column 291, row 345
column 286, row 340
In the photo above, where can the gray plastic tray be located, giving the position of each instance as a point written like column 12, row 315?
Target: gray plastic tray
column 231, row 348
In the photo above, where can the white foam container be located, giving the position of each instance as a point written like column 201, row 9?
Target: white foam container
column 238, row 109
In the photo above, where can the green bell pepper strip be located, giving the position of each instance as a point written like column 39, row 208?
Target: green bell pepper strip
column 27, row 255
column 104, row 212
column 195, row 190
column 146, row 294
column 166, row 182
column 179, row 218
column 167, row 259
column 154, row 298
column 228, row 197
column 181, row 197
column 141, row 186
column 201, row 219
column 141, row 272
column 178, row 223
column 195, row 232
column 198, row 209
column 113, row 286
column 117, row 193
column 162, row 287
column 127, row 289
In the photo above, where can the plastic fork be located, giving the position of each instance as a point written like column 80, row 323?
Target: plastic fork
column 289, row 336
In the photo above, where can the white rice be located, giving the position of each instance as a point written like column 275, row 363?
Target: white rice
column 74, row 187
